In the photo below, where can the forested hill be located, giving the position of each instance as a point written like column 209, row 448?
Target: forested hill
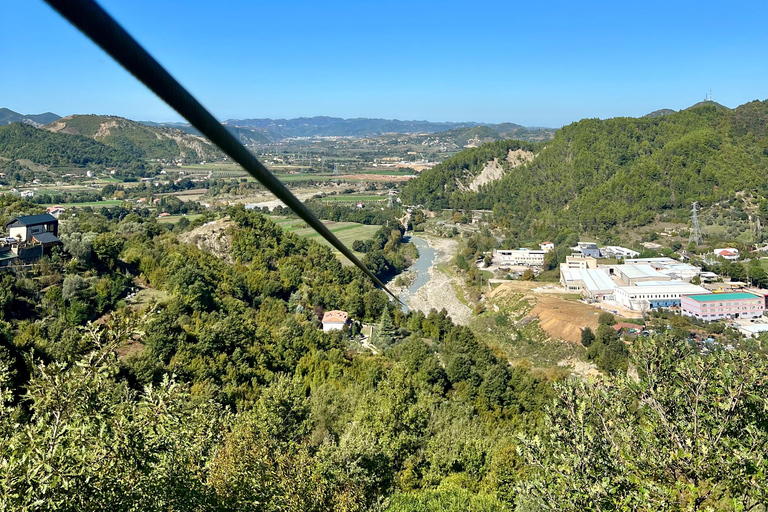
column 22, row 141
column 151, row 142
column 436, row 187
column 596, row 174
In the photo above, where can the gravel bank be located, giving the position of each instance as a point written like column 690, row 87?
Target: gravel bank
column 438, row 293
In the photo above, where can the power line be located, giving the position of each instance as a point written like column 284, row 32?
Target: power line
column 102, row 29
column 697, row 236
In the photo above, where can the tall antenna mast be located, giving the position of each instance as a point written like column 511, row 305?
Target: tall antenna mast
column 696, row 234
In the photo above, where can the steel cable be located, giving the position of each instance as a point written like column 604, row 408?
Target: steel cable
column 102, row 29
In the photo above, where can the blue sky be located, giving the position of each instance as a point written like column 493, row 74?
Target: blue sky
column 533, row 63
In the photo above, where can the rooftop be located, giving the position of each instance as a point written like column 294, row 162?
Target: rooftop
column 640, row 271
column 33, row 220
column 335, row 317
column 46, row 238
column 712, row 297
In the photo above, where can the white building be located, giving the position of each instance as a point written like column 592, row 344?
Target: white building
column 614, row 251
column 334, row 320
column 580, row 262
column 587, row 249
column 630, row 275
column 593, row 283
column 655, row 294
column 547, row 246
column 728, row 253
column 502, row 257
column 669, row 267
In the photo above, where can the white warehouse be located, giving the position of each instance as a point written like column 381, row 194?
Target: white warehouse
column 593, row 283
column 655, row 294
column 528, row 257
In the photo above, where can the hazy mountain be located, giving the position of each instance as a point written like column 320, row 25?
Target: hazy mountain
column 8, row 116
column 324, row 126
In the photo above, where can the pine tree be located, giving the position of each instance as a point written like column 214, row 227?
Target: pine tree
column 383, row 334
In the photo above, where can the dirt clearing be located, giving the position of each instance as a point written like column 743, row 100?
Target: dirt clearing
column 560, row 317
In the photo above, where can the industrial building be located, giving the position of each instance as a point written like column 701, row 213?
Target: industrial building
column 655, row 294
column 580, row 262
column 587, row 249
column 614, row 251
column 591, row 283
column 716, row 306
column 668, row 266
column 503, row 257
column 630, row 275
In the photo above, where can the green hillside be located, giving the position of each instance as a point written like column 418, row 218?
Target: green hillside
column 22, row 141
column 148, row 142
column 598, row 174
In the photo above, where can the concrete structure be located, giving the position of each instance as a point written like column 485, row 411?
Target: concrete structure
column 614, row 251
column 728, row 253
column 502, row 257
column 335, row 320
column 22, row 228
column 760, row 292
column 591, row 283
column 580, row 262
column 655, row 294
column 630, row 275
column 668, row 266
column 716, row 306
column 587, row 249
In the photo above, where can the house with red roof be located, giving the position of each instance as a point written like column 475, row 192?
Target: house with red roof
column 335, row 320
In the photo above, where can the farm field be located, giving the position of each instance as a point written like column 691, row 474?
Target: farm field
column 172, row 219
column 351, row 198
column 346, row 232
column 92, row 204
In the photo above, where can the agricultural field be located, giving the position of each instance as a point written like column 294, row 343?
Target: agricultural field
column 352, row 198
column 346, row 232
column 172, row 219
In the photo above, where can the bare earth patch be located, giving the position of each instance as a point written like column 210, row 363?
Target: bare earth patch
column 560, row 318
column 212, row 238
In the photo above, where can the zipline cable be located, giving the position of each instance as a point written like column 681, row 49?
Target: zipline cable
column 102, row 29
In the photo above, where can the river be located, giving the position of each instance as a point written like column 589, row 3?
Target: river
column 421, row 267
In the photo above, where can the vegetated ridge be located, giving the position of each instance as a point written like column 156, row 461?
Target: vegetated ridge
column 138, row 139
column 23, row 141
column 597, row 174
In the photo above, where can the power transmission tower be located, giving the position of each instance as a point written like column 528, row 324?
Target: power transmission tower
column 697, row 237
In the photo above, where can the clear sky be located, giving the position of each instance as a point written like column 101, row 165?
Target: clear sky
column 533, row 63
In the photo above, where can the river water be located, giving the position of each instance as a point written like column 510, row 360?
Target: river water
column 421, row 267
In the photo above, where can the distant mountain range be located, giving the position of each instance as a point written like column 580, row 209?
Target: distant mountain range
column 8, row 116
column 323, row 126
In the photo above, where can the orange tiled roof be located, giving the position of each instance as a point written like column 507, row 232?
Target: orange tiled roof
column 335, row 317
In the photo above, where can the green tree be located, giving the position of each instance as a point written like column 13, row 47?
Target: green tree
column 107, row 247
column 587, row 337
column 689, row 434
column 606, row 318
